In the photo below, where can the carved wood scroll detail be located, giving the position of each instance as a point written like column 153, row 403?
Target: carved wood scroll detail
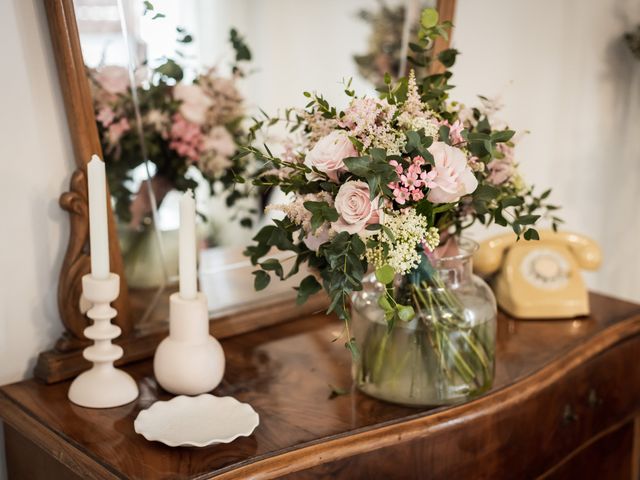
column 76, row 263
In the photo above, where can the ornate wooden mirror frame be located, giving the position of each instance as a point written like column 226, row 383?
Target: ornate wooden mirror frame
column 65, row 359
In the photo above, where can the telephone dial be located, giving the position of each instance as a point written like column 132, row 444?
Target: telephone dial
column 539, row 279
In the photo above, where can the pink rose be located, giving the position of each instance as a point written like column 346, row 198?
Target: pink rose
column 117, row 129
column 355, row 208
column 455, row 131
column 113, row 79
column 185, row 138
column 106, row 116
column 328, row 154
column 453, row 177
column 502, row 169
column 194, row 102
column 220, row 140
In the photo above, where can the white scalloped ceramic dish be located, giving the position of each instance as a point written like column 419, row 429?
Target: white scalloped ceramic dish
column 196, row 421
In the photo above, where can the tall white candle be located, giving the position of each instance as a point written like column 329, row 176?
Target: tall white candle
column 188, row 274
column 98, row 231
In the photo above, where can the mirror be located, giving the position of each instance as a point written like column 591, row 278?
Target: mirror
column 201, row 71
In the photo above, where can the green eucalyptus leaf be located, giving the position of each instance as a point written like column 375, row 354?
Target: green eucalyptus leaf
column 531, row 234
column 170, row 69
column 321, row 212
column 502, row 135
column 383, row 303
column 517, row 229
column 385, row 274
column 261, row 279
column 309, row 286
column 486, row 192
column 527, row 219
column 448, row 57
column 443, row 133
column 353, row 348
column 406, row 313
column 359, row 166
column 273, row 265
column 511, row 202
column 429, row 18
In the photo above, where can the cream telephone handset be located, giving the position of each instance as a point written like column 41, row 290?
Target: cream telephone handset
column 539, row 279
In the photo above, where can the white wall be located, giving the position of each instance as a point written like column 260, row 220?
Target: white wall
column 35, row 165
column 565, row 75
column 560, row 66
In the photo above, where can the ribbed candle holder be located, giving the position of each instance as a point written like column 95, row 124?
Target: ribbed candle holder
column 103, row 386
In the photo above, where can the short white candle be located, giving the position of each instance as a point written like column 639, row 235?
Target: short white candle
column 187, row 237
column 98, row 230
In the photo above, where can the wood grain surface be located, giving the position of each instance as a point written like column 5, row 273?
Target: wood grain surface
column 540, row 408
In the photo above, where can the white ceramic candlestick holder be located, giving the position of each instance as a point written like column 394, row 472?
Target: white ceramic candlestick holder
column 103, row 386
column 189, row 361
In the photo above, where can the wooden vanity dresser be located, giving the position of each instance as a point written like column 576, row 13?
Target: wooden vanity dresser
column 565, row 404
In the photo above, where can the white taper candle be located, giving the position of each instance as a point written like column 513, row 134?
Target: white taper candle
column 98, row 230
column 188, row 274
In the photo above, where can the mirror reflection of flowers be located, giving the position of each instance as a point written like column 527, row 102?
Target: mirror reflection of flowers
column 185, row 124
column 388, row 185
column 384, row 43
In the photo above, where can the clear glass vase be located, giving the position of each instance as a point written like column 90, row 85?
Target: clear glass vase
column 445, row 353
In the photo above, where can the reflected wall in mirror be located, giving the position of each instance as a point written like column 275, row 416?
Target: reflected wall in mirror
column 175, row 87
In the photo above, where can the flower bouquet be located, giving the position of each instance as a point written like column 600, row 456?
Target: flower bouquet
column 380, row 194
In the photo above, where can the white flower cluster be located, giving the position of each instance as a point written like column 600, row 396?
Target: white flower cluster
column 409, row 231
column 391, row 140
column 414, row 116
column 318, row 126
column 422, row 123
column 295, row 210
column 431, row 239
column 370, row 121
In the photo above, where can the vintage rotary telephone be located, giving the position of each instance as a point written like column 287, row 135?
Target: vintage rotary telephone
column 539, row 279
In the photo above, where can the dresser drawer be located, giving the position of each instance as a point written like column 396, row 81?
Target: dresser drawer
column 600, row 394
column 608, row 457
